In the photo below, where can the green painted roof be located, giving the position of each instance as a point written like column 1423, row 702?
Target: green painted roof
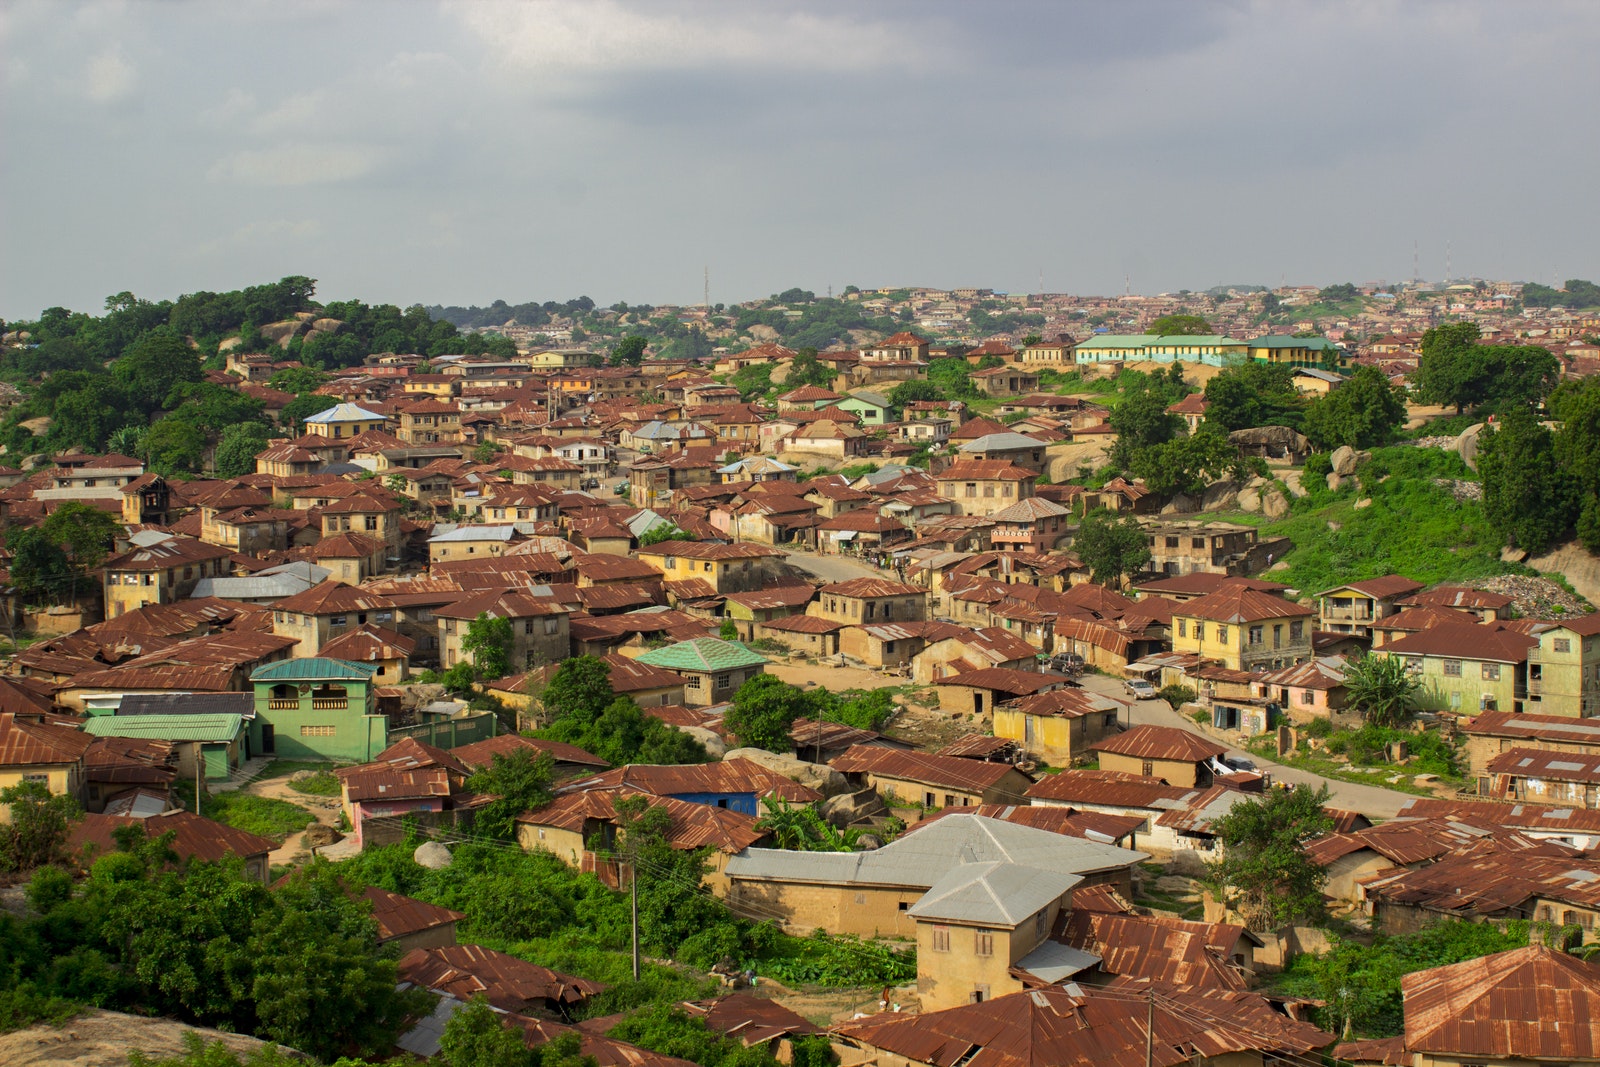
column 167, row 727
column 1280, row 340
column 315, row 669
column 1119, row 340
column 702, row 654
column 1194, row 339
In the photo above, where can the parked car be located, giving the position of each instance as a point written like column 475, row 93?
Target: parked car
column 590, row 483
column 1067, row 663
column 1140, row 689
column 621, row 489
column 1239, row 763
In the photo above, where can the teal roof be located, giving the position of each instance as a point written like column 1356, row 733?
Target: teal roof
column 1119, row 340
column 702, row 654
column 1193, row 339
column 1281, row 340
column 167, row 727
column 315, row 669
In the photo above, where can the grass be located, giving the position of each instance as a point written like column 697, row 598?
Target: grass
column 1161, row 901
column 269, row 817
column 1412, row 527
column 317, row 784
column 1266, row 747
column 283, row 768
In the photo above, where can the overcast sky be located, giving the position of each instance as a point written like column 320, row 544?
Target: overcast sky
column 458, row 152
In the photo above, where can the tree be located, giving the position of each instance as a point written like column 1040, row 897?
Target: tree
column 1451, row 368
column 40, row 569
column 1527, row 497
column 1264, row 871
column 478, row 1036
column 1187, row 464
column 1192, row 325
column 729, row 630
column 86, row 533
column 665, row 531
column 236, row 452
column 520, row 781
column 763, row 711
column 580, row 689
column 1254, row 394
column 1382, row 690
column 485, row 452
column 155, row 363
column 173, row 446
column 805, row 369
column 1577, row 405
column 1141, row 420
column 629, row 351
column 1111, row 547
column 802, row 829
column 295, row 412
column 297, row 380
column 911, row 391
column 488, row 642
column 1363, row 412
column 39, row 822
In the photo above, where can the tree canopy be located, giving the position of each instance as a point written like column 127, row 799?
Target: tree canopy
column 1253, row 394
column 1111, row 547
column 1365, row 411
column 1264, row 871
column 1527, row 497
column 1169, row 325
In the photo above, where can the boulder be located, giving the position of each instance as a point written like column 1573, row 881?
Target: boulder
column 228, row 344
column 1186, row 862
column 818, row 776
column 34, row 462
column 1220, row 496
column 327, row 326
column 1513, row 555
column 868, row 842
column 715, row 745
column 1344, row 460
column 432, row 855
column 1364, row 502
column 1181, row 505
column 1467, row 445
column 1274, row 504
column 1335, row 480
column 282, row 331
column 847, row 809
column 319, row 834
column 1249, row 500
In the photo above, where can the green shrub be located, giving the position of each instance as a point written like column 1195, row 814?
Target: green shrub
column 1177, row 695
column 267, row 816
column 1202, row 717
column 318, row 784
column 1317, row 728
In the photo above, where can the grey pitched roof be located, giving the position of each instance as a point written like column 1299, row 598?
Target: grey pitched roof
column 990, row 442
column 924, row 856
column 994, row 893
column 1055, row 962
column 188, row 704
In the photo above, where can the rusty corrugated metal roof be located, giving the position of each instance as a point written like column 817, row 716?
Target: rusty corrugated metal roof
column 1160, row 742
column 1528, row 1003
column 398, row 915
column 950, row 772
column 508, row 983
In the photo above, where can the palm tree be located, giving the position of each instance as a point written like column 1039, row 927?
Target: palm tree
column 801, row 829
column 1382, row 689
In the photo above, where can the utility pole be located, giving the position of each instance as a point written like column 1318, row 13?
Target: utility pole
column 1150, row 1028
column 199, row 773
column 633, row 880
column 708, row 287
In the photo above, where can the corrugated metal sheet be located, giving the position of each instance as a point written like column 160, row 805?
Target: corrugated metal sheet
column 398, row 915
column 945, row 772
column 215, row 728
column 25, row 743
column 1160, row 742
column 1529, row 1003
column 508, row 983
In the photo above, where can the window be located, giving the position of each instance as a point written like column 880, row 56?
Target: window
column 1277, row 635
column 949, row 800
column 41, row 779
column 1491, row 672
column 972, row 489
column 929, row 800
column 1297, row 631
column 722, row 681
column 1561, row 644
column 552, row 626
column 1110, row 720
column 1172, row 542
column 1198, row 542
column 1183, row 627
column 980, row 993
column 988, row 489
column 1308, row 697
column 888, row 647
column 1147, row 769
column 1041, row 923
column 1256, row 634
column 527, row 626
column 941, row 939
column 983, row 943
column 1222, row 634
column 1199, row 631
column 338, row 620
column 1452, row 668
column 318, row 731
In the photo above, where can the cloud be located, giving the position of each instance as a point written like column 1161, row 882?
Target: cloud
column 297, row 164
column 109, row 77
column 600, row 35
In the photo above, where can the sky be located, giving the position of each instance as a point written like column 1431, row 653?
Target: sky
column 461, row 151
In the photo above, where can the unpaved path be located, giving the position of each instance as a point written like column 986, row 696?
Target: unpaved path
column 836, row 679
column 104, row 1039
column 325, row 809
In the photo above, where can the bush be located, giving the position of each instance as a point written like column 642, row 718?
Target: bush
column 267, row 816
column 317, row 784
column 1317, row 728
column 1177, row 695
column 1202, row 717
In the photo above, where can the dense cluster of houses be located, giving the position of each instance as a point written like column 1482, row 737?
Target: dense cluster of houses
column 282, row 613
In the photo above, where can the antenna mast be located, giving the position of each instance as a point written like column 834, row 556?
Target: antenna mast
column 1416, row 261
column 708, row 287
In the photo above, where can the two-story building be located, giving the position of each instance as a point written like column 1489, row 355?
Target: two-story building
column 1031, row 525
column 1352, row 608
column 1564, row 668
column 344, row 421
column 1467, row 668
column 539, row 632
column 327, row 611
column 318, row 709
column 1243, row 629
column 712, row 669
column 162, row 573
column 983, row 487
column 728, row 568
column 865, row 600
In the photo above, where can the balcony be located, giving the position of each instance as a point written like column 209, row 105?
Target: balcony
column 330, row 704
column 282, row 705
column 1359, row 614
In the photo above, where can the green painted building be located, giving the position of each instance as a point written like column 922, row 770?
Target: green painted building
column 712, row 669
column 318, row 708
column 870, row 407
column 221, row 740
column 1296, row 351
column 1212, row 350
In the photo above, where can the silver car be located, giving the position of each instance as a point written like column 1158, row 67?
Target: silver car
column 1140, row 689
